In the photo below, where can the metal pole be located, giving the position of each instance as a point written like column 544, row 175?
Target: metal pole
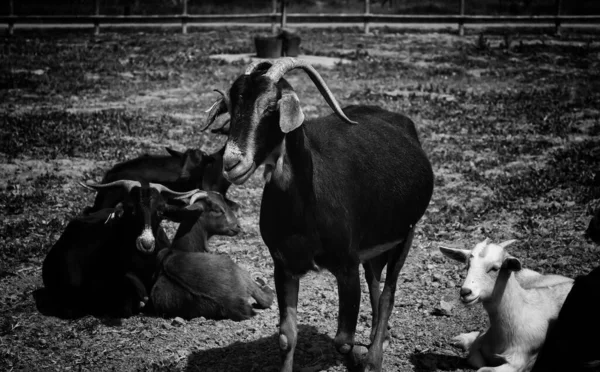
column 283, row 14
column 461, row 20
column 367, row 12
column 557, row 20
column 97, row 21
column 273, row 23
column 184, row 14
column 11, row 12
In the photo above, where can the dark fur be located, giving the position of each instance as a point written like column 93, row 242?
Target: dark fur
column 179, row 171
column 194, row 284
column 572, row 344
column 95, row 266
column 354, row 186
column 211, row 216
column 214, row 181
column 593, row 230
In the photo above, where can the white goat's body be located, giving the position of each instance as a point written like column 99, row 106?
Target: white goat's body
column 518, row 324
column 520, row 304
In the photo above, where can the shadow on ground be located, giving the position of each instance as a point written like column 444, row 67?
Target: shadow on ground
column 434, row 362
column 314, row 352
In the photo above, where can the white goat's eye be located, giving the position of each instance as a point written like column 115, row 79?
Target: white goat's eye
column 493, row 269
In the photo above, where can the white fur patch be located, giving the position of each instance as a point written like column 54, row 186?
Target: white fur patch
column 277, row 167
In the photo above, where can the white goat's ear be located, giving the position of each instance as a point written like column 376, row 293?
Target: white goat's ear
column 290, row 113
column 507, row 243
column 511, row 263
column 460, row 255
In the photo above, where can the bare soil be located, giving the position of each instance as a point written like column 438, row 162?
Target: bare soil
column 511, row 124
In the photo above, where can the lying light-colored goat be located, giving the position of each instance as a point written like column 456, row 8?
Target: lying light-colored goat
column 520, row 307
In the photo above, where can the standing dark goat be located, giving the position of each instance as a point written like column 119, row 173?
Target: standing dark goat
column 103, row 262
column 338, row 193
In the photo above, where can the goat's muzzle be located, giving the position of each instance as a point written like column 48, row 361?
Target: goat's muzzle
column 145, row 243
column 237, row 167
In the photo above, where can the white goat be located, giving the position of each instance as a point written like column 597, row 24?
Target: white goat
column 520, row 307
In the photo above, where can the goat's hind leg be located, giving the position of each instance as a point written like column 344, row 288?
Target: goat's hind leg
column 287, row 297
column 396, row 259
column 373, row 270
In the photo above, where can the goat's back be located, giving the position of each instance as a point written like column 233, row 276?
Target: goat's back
column 374, row 175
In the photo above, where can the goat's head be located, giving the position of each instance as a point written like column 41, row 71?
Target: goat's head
column 263, row 107
column 144, row 207
column 210, row 209
column 484, row 263
column 193, row 165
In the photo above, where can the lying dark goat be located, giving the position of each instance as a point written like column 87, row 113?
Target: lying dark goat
column 103, row 262
column 573, row 343
column 338, row 193
column 179, row 171
column 204, row 218
column 194, row 284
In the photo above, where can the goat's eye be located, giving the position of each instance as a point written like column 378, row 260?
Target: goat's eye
column 493, row 269
column 217, row 212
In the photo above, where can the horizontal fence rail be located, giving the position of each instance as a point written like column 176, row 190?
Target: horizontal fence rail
column 282, row 17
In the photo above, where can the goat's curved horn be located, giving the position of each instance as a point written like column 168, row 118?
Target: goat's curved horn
column 254, row 66
column 126, row 184
column 162, row 189
column 284, row 65
column 224, row 97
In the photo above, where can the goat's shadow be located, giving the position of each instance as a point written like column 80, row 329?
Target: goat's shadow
column 434, row 362
column 314, row 352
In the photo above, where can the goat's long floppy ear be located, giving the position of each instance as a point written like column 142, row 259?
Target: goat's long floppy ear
column 507, row 243
column 290, row 113
column 460, row 255
column 511, row 263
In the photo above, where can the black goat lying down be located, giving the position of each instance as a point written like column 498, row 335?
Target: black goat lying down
column 178, row 171
column 191, row 283
column 103, row 263
column 194, row 284
column 573, row 343
column 202, row 219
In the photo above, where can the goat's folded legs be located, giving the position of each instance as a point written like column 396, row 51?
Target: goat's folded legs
column 287, row 297
column 397, row 256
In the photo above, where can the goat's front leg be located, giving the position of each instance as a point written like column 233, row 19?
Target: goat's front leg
column 465, row 340
column 397, row 256
column 287, row 298
column 348, row 282
column 500, row 368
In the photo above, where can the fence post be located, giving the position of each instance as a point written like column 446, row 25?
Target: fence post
column 11, row 12
column 461, row 20
column 96, row 20
column 557, row 20
column 367, row 12
column 184, row 20
column 273, row 23
column 283, row 14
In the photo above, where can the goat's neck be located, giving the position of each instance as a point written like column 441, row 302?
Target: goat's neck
column 191, row 235
column 505, row 305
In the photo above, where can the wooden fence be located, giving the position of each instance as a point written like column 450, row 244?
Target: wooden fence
column 279, row 16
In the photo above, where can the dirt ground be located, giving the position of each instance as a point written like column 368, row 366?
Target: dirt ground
column 510, row 122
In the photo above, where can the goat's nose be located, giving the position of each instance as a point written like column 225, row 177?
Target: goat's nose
column 230, row 162
column 465, row 292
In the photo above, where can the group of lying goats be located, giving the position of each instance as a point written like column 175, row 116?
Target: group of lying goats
column 115, row 259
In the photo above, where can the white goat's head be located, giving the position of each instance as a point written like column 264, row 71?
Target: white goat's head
column 484, row 263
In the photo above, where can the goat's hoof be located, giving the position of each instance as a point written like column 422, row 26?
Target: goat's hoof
column 359, row 351
column 345, row 349
column 283, row 342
